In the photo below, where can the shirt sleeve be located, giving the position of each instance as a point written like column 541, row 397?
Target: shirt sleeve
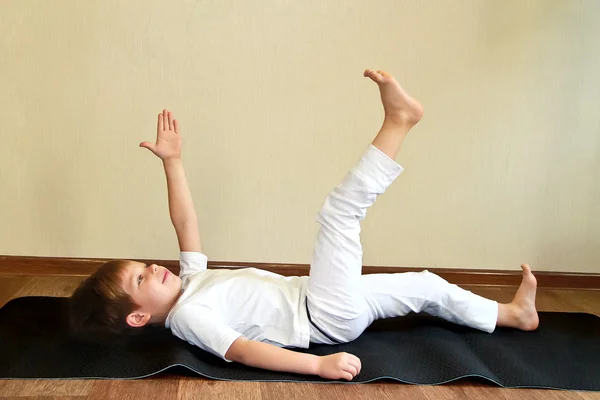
column 191, row 262
column 201, row 327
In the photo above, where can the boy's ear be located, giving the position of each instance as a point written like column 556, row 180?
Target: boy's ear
column 137, row 319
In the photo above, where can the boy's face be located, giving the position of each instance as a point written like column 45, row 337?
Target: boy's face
column 154, row 288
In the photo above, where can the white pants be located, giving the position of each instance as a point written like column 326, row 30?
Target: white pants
column 341, row 301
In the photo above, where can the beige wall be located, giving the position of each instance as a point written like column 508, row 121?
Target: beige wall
column 503, row 169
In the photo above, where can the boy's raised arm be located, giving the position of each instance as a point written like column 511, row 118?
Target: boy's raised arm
column 181, row 206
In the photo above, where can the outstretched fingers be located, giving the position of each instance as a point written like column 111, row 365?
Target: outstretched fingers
column 166, row 122
column 159, row 123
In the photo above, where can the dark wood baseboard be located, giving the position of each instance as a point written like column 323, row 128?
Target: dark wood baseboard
column 57, row 266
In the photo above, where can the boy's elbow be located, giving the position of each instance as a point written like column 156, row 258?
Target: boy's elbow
column 237, row 349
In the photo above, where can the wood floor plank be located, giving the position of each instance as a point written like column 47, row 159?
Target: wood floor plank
column 44, row 387
column 58, row 286
column 397, row 390
column 10, row 285
column 160, row 387
column 490, row 392
column 201, row 388
column 455, row 390
column 577, row 300
column 589, row 395
column 45, row 398
column 538, row 394
column 328, row 391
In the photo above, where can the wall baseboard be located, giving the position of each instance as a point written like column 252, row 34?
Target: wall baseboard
column 57, row 266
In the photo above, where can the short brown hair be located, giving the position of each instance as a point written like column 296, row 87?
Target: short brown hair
column 100, row 304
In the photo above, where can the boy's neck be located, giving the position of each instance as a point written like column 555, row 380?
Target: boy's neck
column 162, row 318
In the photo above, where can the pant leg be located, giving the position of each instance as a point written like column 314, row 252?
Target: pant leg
column 334, row 293
column 393, row 295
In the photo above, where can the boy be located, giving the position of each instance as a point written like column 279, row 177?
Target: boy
column 250, row 315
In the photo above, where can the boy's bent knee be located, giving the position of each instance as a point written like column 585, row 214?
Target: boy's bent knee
column 347, row 330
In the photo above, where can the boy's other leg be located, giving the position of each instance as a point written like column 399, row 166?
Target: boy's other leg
column 394, row 295
column 521, row 312
column 402, row 112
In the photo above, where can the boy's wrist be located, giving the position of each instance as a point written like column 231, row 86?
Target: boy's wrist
column 315, row 365
column 171, row 160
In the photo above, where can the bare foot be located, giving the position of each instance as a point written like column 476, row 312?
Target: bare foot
column 399, row 107
column 524, row 302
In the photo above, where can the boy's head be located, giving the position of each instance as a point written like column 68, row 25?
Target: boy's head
column 122, row 295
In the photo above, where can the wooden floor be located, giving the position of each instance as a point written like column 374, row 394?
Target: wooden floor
column 171, row 386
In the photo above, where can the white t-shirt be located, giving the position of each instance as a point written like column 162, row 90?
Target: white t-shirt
column 220, row 305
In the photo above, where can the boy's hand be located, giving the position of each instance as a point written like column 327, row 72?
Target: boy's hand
column 168, row 141
column 339, row 366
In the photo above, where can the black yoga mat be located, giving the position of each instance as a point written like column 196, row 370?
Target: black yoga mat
column 563, row 353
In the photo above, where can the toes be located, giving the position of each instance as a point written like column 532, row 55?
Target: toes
column 373, row 75
column 378, row 75
column 528, row 277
